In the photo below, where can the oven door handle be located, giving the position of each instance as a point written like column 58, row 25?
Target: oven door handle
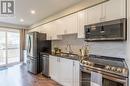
column 108, row 76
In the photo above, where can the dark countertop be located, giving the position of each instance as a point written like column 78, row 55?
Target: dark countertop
column 74, row 57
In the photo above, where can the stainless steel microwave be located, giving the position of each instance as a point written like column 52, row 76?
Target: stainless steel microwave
column 107, row 31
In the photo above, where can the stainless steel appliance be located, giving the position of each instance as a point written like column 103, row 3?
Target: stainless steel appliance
column 36, row 43
column 45, row 64
column 114, row 70
column 110, row 30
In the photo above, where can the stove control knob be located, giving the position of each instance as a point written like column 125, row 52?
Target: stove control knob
column 113, row 68
column 124, row 70
column 119, row 70
column 108, row 67
column 89, row 63
column 84, row 62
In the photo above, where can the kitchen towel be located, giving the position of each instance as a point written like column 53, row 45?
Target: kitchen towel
column 96, row 79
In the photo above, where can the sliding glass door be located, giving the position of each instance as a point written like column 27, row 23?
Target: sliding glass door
column 13, row 47
column 9, row 47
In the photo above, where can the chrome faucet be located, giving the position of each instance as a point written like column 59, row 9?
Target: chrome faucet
column 68, row 49
column 84, row 52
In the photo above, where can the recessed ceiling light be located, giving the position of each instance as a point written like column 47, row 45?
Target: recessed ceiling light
column 33, row 11
column 21, row 20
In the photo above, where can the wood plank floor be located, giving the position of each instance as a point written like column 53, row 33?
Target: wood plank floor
column 18, row 76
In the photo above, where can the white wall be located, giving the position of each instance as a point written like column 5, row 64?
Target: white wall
column 128, row 35
column 114, row 49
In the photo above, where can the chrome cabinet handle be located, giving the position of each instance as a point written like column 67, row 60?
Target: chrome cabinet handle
column 73, row 63
column 59, row 59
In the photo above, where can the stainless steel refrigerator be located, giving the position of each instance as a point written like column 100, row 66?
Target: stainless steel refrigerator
column 36, row 43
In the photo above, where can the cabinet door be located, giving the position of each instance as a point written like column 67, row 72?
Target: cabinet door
column 94, row 14
column 70, row 24
column 115, row 9
column 48, row 30
column 54, row 68
column 66, row 72
column 60, row 26
column 53, row 30
column 43, row 29
column 57, row 30
column 81, row 23
column 76, row 73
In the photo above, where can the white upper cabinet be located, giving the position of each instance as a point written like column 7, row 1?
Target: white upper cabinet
column 60, row 26
column 55, row 30
column 81, row 23
column 43, row 29
column 94, row 14
column 51, row 30
column 48, row 31
column 110, row 10
column 69, row 24
column 114, row 9
column 72, row 23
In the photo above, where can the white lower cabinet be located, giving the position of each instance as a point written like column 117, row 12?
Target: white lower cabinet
column 76, row 73
column 53, row 67
column 64, row 71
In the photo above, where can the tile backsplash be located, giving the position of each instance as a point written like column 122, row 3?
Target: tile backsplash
column 108, row 48
column 115, row 49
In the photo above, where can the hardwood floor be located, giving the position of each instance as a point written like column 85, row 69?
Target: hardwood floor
column 18, row 76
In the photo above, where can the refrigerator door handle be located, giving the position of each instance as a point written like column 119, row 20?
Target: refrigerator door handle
column 29, row 44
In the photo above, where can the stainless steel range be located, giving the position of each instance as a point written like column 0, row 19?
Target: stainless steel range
column 114, row 70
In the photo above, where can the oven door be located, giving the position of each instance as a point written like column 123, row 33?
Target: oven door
column 107, row 79
column 114, row 81
column 85, row 79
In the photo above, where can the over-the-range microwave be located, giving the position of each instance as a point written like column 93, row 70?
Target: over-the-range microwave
column 107, row 31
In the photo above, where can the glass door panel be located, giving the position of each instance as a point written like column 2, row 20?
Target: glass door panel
column 13, row 47
column 2, row 48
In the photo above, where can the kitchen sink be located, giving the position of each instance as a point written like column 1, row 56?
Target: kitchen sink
column 69, row 55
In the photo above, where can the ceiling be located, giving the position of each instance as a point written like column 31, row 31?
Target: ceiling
column 43, row 8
